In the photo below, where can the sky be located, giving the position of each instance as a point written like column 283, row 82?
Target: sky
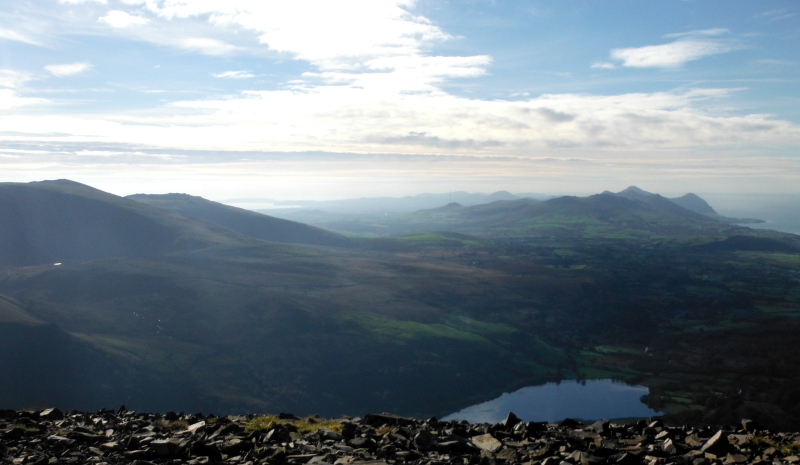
column 326, row 99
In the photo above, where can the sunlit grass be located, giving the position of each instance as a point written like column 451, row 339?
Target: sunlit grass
column 303, row 425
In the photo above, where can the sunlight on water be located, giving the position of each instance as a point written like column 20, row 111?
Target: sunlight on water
column 590, row 399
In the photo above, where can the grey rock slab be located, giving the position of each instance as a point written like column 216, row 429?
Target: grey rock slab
column 167, row 447
column 487, row 442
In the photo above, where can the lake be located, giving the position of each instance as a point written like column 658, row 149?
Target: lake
column 590, row 399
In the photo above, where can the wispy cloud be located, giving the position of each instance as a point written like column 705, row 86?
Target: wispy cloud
column 718, row 31
column 207, row 45
column 10, row 78
column 234, row 75
column 17, row 36
column 121, row 19
column 68, row 69
column 669, row 55
column 689, row 46
column 603, row 65
column 776, row 15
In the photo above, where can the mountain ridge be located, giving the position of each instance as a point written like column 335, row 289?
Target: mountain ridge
column 246, row 222
column 64, row 221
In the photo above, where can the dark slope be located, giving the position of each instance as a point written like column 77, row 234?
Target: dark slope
column 64, row 221
column 243, row 221
column 41, row 364
column 12, row 311
column 291, row 329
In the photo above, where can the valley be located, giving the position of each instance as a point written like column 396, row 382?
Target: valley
column 178, row 303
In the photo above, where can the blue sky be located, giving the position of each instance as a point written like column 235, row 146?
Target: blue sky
column 335, row 99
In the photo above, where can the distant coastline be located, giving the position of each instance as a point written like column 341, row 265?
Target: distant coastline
column 791, row 226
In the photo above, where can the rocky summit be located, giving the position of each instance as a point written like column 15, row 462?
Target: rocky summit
column 125, row 437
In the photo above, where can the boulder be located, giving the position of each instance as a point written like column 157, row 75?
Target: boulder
column 718, row 444
column 487, row 442
column 52, row 414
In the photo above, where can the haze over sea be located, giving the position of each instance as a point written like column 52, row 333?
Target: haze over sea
column 781, row 212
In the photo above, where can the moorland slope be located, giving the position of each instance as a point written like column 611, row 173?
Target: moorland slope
column 246, row 222
column 63, row 221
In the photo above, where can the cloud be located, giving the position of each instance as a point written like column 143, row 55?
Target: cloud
column 68, row 69
column 355, row 119
column 669, row 55
column 8, row 34
column 603, row 65
column 234, row 75
column 121, row 19
column 700, row 33
column 10, row 99
column 356, row 34
column 207, row 46
column 775, row 15
column 78, row 2
column 10, row 78
column 373, row 85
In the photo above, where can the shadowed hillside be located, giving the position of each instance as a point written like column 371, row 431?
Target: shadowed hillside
column 64, row 221
column 243, row 221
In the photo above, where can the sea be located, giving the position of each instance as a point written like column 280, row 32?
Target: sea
column 780, row 212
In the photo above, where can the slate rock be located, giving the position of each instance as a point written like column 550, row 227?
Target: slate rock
column 123, row 437
column 168, row 447
column 487, row 442
column 570, row 423
column 361, row 443
column 389, row 419
column 425, row 441
column 52, row 414
column 511, row 420
column 600, row 426
column 718, row 444
column 751, row 425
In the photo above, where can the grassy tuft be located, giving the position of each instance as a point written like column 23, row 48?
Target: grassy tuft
column 785, row 448
column 304, row 425
column 178, row 425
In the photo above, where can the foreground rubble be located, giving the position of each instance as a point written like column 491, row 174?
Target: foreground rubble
column 125, row 437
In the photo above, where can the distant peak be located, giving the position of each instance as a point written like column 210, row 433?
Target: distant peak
column 635, row 190
column 502, row 195
column 694, row 203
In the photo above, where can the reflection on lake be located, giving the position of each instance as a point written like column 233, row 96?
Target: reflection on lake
column 591, row 399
